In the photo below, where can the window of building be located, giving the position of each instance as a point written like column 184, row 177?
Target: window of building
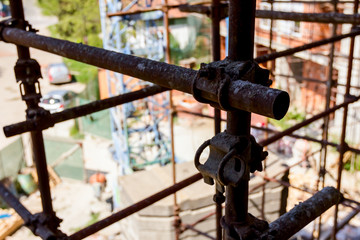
column 290, row 28
column 265, row 23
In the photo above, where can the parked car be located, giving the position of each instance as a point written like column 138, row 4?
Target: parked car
column 4, row 10
column 58, row 73
column 58, row 100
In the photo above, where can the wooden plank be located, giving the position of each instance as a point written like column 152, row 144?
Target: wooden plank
column 9, row 225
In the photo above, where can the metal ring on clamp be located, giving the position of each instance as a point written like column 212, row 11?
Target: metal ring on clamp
column 199, row 152
column 195, row 92
column 222, row 164
column 222, row 93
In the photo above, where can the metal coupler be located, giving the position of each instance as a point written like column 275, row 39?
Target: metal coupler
column 230, row 160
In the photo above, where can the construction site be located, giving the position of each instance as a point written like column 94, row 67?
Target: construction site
column 207, row 120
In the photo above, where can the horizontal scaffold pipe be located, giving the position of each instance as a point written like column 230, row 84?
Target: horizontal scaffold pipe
column 157, row 8
column 29, row 219
column 338, row 18
column 310, row 17
column 302, row 214
column 80, row 111
column 275, row 55
column 134, row 208
column 241, row 95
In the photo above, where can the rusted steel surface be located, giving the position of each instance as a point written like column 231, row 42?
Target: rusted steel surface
column 207, row 10
column 160, row 73
column 241, row 95
column 215, row 47
column 302, row 214
column 17, row 12
column 219, row 84
column 241, row 48
column 325, row 126
column 134, row 208
column 343, row 145
column 326, row 120
column 41, row 169
column 50, row 119
column 30, row 220
column 13, row 202
column 304, row 47
column 333, row 17
column 197, row 5
column 27, row 72
column 310, row 17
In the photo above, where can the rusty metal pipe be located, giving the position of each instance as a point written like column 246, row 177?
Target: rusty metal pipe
column 160, row 73
column 241, row 48
column 215, row 47
column 13, row 202
column 272, row 56
column 38, row 229
column 17, row 11
column 298, row 217
column 134, row 208
column 42, row 172
column 342, row 148
column 241, row 95
column 333, row 17
column 80, row 111
column 325, row 126
column 196, row 5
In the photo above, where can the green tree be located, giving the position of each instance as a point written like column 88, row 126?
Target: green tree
column 79, row 20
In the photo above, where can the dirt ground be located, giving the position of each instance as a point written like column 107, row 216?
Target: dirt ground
column 76, row 204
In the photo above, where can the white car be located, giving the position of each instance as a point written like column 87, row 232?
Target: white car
column 59, row 73
column 58, row 100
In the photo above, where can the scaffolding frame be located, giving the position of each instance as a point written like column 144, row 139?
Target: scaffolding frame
column 46, row 224
column 135, row 127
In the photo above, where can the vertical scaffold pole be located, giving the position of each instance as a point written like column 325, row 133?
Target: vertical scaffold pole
column 342, row 147
column 241, row 48
column 216, row 55
column 30, row 89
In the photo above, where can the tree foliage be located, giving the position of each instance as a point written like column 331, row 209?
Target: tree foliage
column 79, row 20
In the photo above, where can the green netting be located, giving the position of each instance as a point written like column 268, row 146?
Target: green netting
column 97, row 123
column 72, row 166
column 11, row 159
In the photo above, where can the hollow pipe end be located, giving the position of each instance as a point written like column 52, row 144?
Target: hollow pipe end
column 281, row 105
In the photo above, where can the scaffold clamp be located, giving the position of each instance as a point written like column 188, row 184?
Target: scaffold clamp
column 230, row 160
column 218, row 76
